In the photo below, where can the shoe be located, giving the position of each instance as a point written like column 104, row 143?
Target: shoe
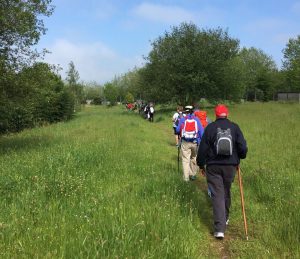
column 192, row 177
column 208, row 192
column 219, row 235
column 227, row 222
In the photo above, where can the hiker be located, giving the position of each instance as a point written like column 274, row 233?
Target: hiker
column 151, row 112
column 146, row 112
column 175, row 119
column 190, row 130
column 202, row 116
column 129, row 106
column 221, row 148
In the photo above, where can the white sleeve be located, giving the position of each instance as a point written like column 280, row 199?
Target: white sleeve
column 175, row 116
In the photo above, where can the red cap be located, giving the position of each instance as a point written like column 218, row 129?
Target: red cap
column 221, row 110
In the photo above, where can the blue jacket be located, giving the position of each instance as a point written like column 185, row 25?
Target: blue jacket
column 199, row 125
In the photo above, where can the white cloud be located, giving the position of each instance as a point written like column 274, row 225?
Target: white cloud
column 94, row 62
column 163, row 13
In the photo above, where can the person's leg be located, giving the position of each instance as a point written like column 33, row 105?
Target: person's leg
column 215, row 183
column 185, row 154
column 176, row 136
column 228, row 178
column 193, row 163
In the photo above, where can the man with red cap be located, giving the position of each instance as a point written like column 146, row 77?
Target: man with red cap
column 221, row 148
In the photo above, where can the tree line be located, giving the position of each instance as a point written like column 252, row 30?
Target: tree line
column 32, row 93
column 184, row 65
column 189, row 63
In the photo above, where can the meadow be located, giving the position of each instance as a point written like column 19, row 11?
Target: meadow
column 106, row 185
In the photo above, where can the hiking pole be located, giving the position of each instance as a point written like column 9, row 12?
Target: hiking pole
column 242, row 201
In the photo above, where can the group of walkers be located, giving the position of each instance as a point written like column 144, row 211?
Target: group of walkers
column 214, row 147
column 148, row 110
column 145, row 109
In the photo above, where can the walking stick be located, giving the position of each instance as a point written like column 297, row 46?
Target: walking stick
column 242, row 201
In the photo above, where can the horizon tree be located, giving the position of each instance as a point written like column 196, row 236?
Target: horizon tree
column 291, row 63
column 189, row 63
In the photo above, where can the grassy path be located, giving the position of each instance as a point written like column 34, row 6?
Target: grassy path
column 106, row 185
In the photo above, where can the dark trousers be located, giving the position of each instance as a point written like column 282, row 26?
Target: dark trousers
column 151, row 117
column 219, row 180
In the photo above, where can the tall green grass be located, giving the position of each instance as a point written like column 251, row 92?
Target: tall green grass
column 102, row 185
column 106, row 185
column 271, row 180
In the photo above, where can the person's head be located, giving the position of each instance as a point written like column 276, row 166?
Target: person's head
column 221, row 111
column 189, row 109
column 196, row 106
column 179, row 108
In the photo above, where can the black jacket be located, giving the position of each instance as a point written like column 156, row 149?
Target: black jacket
column 207, row 151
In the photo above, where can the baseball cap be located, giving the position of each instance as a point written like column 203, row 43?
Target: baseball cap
column 188, row 108
column 221, row 110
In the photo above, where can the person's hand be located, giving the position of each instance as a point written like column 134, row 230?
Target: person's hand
column 202, row 171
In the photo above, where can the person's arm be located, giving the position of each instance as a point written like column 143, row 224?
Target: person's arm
column 174, row 117
column 241, row 144
column 200, row 131
column 203, row 150
column 178, row 128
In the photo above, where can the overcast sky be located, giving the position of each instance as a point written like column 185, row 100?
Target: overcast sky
column 108, row 38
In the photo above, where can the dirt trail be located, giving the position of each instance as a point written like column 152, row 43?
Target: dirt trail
column 221, row 246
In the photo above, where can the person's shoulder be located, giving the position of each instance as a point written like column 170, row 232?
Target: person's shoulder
column 211, row 124
column 234, row 124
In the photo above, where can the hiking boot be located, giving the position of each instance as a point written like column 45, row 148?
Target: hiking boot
column 219, row 235
column 209, row 193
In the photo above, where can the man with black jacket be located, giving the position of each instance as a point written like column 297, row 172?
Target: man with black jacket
column 221, row 148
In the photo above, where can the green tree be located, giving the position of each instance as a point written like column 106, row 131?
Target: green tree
column 188, row 63
column 75, row 87
column 110, row 93
column 259, row 72
column 234, row 80
column 21, row 27
column 129, row 98
column 129, row 82
column 291, row 64
column 47, row 94
column 37, row 95
column 93, row 91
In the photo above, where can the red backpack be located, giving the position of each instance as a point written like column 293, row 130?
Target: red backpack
column 190, row 128
column 202, row 116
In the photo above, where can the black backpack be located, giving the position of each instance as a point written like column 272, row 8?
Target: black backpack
column 224, row 142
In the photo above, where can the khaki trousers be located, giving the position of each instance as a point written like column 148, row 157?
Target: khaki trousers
column 189, row 154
